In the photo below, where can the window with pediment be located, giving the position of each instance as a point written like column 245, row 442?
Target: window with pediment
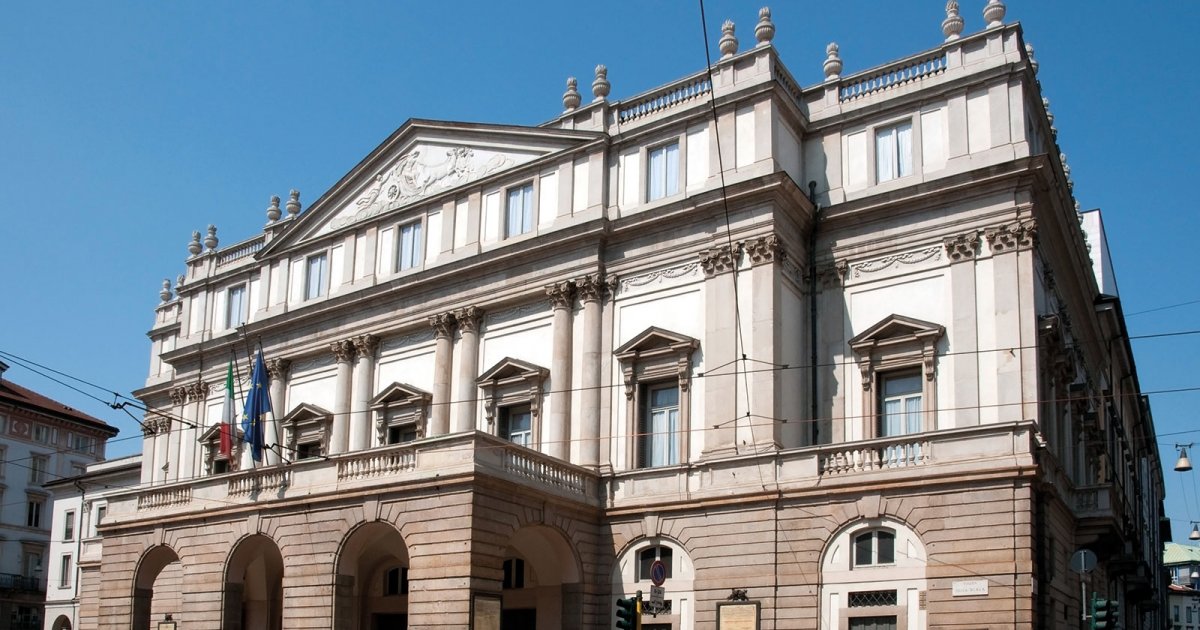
column 216, row 463
column 512, row 395
column 897, row 359
column 306, row 432
column 400, row 411
column 656, row 368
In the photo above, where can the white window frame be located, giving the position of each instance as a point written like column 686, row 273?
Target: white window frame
column 530, row 218
column 34, row 518
column 39, row 467
column 874, row 560
column 416, row 254
column 66, row 571
column 656, row 448
column 69, row 525
column 909, row 421
column 671, row 186
column 322, row 288
column 233, row 320
column 504, row 424
column 895, row 166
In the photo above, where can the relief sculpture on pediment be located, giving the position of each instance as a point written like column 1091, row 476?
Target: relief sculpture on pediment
column 419, row 173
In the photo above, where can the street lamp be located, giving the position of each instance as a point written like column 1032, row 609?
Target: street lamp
column 1183, row 464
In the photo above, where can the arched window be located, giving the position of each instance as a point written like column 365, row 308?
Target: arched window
column 873, row 577
column 875, row 547
column 646, row 558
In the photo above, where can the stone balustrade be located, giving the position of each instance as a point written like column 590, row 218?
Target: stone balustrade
column 258, row 481
column 241, row 250
column 377, row 463
column 164, row 497
column 903, row 452
column 664, row 98
column 900, row 73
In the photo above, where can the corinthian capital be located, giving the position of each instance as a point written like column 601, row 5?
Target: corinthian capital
column 594, row 287
column 562, row 294
column 365, row 344
column 343, row 351
column 962, row 247
column 197, row 391
column 278, row 369
column 179, row 395
column 717, row 260
column 765, row 249
column 469, row 318
column 443, row 325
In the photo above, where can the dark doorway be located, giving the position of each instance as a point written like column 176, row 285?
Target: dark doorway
column 518, row 619
column 390, row 621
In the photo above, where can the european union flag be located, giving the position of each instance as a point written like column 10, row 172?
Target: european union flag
column 258, row 405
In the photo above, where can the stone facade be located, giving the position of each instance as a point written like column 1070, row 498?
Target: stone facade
column 844, row 366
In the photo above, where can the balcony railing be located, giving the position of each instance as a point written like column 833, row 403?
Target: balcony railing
column 902, row 72
column 240, row 250
column 900, row 452
column 664, row 98
column 14, row 582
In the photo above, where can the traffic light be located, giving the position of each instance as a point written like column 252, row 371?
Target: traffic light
column 1105, row 613
column 629, row 612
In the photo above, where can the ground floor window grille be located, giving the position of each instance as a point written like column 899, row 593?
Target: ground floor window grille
column 864, row 599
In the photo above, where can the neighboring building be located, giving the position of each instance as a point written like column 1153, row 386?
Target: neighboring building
column 40, row 440
column 840, row 352
column 1182, row 562
column 79, row 505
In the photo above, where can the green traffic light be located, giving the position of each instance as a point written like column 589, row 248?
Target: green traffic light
column 627, row 614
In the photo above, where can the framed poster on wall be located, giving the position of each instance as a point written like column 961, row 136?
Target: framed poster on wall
column 738, row 615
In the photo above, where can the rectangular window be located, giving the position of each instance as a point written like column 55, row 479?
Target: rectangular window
column 662, row 171
column 516, row 425
column 395, row 581
column 901, row 404
column 893, row 152
column 38, row 464
column 33, row 512
column 658, row 427
column 308, row 450
column 101, row 512
column 402, row 433
column 409, row 247
column 82, row 443
column 882, row 622
column 69, row 525
column 514, row 574
column 44, row 434
column 316, row 276
column 31, row 563
column 64, row 571
column 519, row 216
column 235, row 306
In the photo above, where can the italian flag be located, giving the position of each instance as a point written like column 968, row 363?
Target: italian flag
column 228, row 415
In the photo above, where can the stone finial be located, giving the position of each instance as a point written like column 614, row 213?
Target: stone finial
column 764, row 31
column 833, row 63
column 1029, row 53
column 994, row 12
column 165, row 292
column 178, row 282
column 571, row 96
column 273, row 212
column 210, row 241
column 195, row 247
column 952, row 26
column 293, row 204
column 729, row 42
column 600, row 85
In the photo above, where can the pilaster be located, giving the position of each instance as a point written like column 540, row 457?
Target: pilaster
column 556, row 430
column 443, row 332
column 466, row 403
column 343, row 353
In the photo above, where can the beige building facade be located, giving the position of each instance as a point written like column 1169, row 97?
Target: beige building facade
column 834, row 355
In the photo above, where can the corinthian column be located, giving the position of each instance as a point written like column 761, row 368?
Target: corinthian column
column 339, row 439
column 364, row 381
column 556, row 431
column 277, row 369
column 443, row 333
column 592, row 290
column 465, row 396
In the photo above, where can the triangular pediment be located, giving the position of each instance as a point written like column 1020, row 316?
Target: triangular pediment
column 897, row 329
column 654, row 338
column 421, row 160
column 400, row 394
column 305, row 411
column 509, row 368
column 213, row 433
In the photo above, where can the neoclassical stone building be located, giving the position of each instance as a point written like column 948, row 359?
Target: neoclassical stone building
column 835, row 355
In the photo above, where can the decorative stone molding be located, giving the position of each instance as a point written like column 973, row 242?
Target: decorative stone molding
column 728, row 43
column 365, row 344
column 197, row 391
column 600, row 85
column 443, row 325
column 764, row 31
column 833, row 275
column 179, row 395
column 719, row 259
column 907, row 258
column 149, row 427
column 952, row 26
column 571, row 97
column 343, row 351
column 833, row 62
column 562, row 294
column 273, row 211
column 897, row 344
column 1012, row 237
column 398, row 405
column 469, row 318
column 594, row 287
column 278, row 369
column 660, row 275
column 962, row 247
column 1057, row 359
column 656, row 353
column 513, row 382
column 765, row 249
column 516, row 312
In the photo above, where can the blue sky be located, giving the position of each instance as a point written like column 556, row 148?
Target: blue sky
column 126, row 125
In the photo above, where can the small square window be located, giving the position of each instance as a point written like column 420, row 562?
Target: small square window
column 408, row 250
column 316, row 277
column 646, row 558
column 401, row 433
column 893, row 152
column 662, row 171
column 235, row 306
column 519, row 216
column 308, row 450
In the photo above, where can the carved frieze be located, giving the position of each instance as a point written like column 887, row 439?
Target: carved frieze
column 197, row 391
column 833, row 275
column 895, row 260
column 562, row 294
column 443, row 325
column 517, row 312
column 343, row 351
column 1012, row 236
column 659, row 276
column 962, row 246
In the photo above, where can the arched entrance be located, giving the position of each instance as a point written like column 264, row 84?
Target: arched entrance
column 371, row 583
column 632, row 574
column 872, row 576
column 157, row 586
column 541, row 585
column 253, row 598
column 62, row 623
